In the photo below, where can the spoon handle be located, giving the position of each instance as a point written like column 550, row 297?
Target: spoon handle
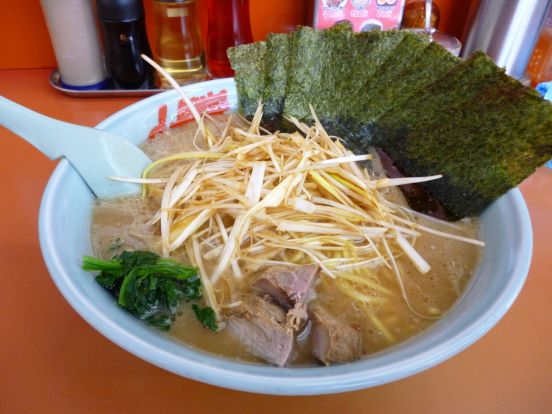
column 50, row 136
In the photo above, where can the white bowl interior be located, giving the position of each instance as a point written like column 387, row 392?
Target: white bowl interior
column 64, row 229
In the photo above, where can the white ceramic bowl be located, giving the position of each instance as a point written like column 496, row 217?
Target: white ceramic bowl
column 65, row 237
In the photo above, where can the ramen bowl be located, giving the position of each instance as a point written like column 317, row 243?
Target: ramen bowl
column 64, row 228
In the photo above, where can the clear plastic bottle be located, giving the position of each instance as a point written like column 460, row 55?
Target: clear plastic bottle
column 179, row 43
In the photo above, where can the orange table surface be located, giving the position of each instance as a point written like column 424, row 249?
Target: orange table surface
column 52, row 361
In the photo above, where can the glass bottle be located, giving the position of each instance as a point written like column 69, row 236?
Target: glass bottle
column 179, row 43
column 229, row 26
column 414, row 15
column 446, row 40
column 124, row 32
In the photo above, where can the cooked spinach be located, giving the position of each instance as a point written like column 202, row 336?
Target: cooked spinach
column 206, row 316
column 148, row 286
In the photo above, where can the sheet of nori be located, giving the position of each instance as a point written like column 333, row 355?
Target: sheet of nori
column 353, row 60
column 311, row 54
column 438, row 115
column 276, row 73
column 388, row 56
column 384, row 81
column 304, row 70
column 248, row 62
column 342, row 63
column 432, row 63
column 355, row 63
column 429, row 65
column 463, row 138
column 335, row 82
column 453, row 88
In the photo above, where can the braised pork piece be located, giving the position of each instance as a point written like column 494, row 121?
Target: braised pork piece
column 262, row 329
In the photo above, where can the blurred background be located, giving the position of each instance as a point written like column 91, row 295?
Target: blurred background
column 26, row 44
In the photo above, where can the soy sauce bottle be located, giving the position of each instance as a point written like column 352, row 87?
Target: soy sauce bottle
column 124, row 33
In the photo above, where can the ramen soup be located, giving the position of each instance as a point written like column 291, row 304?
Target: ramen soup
column 310, row 279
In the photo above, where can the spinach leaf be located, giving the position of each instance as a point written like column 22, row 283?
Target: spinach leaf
column 146, row 285
column 206, row 316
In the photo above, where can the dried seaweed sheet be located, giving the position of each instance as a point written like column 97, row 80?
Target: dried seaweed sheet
column 425, row 81
column 399, row 47
column 385, row 80
column 428, row 66
column 430, row 111
column 248, row 62
column 311, row 53
column 342, row 102
column 465, row 140
column 305, row 71
column 278, row 46
column 349, row 65
column 453, row 88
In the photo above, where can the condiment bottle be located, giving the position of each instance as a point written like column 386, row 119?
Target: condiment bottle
column 449, row 42
column 540, row 65
column 229, row 26
column 179, row 43
column 414, row 15
column 73, row 32
column 124, row 33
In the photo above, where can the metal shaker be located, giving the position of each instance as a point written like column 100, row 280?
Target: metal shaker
column 507, row 30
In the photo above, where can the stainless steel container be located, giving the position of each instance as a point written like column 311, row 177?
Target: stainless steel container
column 507, row 30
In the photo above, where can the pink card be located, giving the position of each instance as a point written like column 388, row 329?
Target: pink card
column 364, row 15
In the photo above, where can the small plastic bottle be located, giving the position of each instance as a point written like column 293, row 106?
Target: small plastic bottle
column 73, row 32
column 125, row 38
column 179, row 43
column 229, row 26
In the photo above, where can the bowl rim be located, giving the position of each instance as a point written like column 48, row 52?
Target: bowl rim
column 201, row 366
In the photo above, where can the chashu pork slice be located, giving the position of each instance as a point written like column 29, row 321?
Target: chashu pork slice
column 261, row 327
column 286, row 285
column 332, row 341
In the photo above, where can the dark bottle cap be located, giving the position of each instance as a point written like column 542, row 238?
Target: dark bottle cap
column 119, row 10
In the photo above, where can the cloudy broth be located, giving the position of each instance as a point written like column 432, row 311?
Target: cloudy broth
column 385, row 320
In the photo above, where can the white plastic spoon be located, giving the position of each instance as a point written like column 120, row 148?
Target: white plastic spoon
column 95, row 154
